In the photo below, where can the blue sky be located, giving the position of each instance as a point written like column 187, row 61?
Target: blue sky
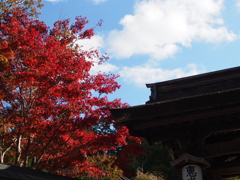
column 156, row 40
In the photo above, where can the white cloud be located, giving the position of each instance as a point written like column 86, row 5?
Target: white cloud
column 238, row 4
column 53, row 0
column 105, row 67
column 94, row 1
column 160, row 27
column 96, row 42
column 98, row 1
column 141, row 75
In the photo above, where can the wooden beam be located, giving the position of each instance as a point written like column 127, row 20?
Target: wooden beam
column 200, row 130
column 218, row 149
column 195, row 104
column 179, row 118
column 217, row 174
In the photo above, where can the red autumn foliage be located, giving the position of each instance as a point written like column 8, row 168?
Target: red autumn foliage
column 48, row 112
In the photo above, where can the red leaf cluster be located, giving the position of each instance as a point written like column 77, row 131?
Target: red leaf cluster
column 49, row 116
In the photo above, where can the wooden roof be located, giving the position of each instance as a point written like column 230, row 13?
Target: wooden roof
column 199, row 115
column 195, row 85
column 18, row 173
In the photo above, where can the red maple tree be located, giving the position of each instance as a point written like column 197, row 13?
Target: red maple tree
column 49, row 116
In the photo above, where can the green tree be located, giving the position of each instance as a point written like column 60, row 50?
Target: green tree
column 155, row 161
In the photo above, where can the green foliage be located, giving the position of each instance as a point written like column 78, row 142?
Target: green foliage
column 156, row 160
column 147, row 176
column 105, row 163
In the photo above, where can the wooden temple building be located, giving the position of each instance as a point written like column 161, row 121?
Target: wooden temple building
column 197, row 119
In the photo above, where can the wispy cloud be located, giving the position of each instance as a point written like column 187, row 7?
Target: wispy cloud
column 96, row 42
column 237, row 3
column 98, row 1
column 54, row 0
column 140, row 75
column 159, row 28
column 94, row 1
